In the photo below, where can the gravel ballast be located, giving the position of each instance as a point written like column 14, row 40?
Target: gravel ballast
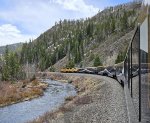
column 103, row 101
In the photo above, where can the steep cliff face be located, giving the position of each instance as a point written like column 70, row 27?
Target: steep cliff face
column 105, row 35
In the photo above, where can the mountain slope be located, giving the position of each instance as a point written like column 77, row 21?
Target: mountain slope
column 79, row 41
column 12, row 47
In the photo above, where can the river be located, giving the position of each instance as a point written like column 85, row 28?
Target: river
column 53, row 98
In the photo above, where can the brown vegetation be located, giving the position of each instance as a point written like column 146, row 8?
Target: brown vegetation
column 20, row 91
column 48, row 116
column 69, row 98
column 82, row 84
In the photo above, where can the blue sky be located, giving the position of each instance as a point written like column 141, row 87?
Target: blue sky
column 21, row 20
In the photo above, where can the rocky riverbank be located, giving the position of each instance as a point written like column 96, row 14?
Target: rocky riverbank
column 99, row 99
column 20, row 91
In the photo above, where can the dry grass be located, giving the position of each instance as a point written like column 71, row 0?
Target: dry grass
column 82, row 84
column 69, row 98
column 57, row 76
column 45, row 119
column 35, row 82
column 49, row 116
column 13, row 93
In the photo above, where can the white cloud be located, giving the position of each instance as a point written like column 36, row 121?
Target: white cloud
column 33, row 17
column 78, row 5
column 8, row 29
column 37, row 16
column 9, row 34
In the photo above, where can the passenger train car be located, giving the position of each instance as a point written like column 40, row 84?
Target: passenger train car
column 115, row 71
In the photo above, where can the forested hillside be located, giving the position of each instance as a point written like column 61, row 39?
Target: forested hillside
column 83, row 42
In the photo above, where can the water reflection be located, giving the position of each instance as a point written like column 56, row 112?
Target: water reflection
column 137, row 70
column 145, row 62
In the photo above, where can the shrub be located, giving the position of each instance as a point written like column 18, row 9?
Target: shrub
column 97, row 61
column 120, row 57
column 70, row 64
column 35, row 83
column 52, row 69
column 37, row 91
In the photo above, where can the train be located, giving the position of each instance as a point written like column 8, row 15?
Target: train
column 115, row 71
column 69, row 70
column 118, row 71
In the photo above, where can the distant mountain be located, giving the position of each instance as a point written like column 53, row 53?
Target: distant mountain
column 105, row 35
column 12, row 47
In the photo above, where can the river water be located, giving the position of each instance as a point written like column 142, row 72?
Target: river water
column 53, row 97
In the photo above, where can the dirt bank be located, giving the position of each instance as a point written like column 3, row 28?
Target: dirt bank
column 99, row 100
column 20, row 91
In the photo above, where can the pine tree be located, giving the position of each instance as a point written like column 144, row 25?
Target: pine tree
column 70, row 64
column 124, row 22
column 11, row 67
column 120, row 57
column 97, row 61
